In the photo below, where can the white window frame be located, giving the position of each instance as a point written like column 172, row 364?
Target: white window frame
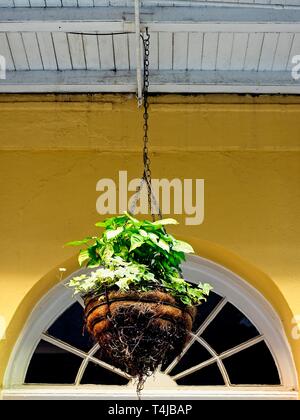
column 226, row 283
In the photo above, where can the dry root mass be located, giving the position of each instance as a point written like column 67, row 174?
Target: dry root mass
column 138, row 332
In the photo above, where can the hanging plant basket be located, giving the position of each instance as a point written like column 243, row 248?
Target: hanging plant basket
column 138, row 306
column 138, row 331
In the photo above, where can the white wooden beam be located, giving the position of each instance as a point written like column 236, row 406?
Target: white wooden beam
column 66, row 26
column 161, row 82
column 108, row 27
column 279, row 4
column 231, row 27
column 170, row 19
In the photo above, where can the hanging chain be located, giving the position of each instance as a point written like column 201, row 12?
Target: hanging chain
column 152, row 203
column 146, row 159
column 146, row 178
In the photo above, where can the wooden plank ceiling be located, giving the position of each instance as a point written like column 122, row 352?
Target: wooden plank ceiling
column 225, row 46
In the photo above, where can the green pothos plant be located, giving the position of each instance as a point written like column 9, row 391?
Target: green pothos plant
column 135, row 255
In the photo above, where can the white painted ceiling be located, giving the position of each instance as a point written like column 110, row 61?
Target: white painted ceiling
column 195, row 46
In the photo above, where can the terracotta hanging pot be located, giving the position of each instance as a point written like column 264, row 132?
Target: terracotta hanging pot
column 137, row 331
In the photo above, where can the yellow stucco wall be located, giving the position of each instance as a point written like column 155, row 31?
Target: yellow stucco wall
column 53, row 150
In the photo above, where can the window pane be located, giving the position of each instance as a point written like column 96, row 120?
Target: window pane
column 69, row 328
column 195, row 355
column 254, row 365
column 101, row 356
column 205, row 309
column 97, row 375
column 52, row 365
column 209, row 375
column 228, row 329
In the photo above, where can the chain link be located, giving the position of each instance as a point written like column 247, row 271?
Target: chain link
column 152, row 203
column 146, row 178
column 146, row 159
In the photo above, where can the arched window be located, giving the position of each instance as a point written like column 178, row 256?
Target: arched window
column 237, row 349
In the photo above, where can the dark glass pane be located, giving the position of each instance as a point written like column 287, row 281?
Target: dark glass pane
column 228, row 329
column 209, row 375
column 69, row 328
column 195, row 355
column 253, row 366
column 97, row 375
column 52, row 365
column 101, row 356
column 205, row 309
